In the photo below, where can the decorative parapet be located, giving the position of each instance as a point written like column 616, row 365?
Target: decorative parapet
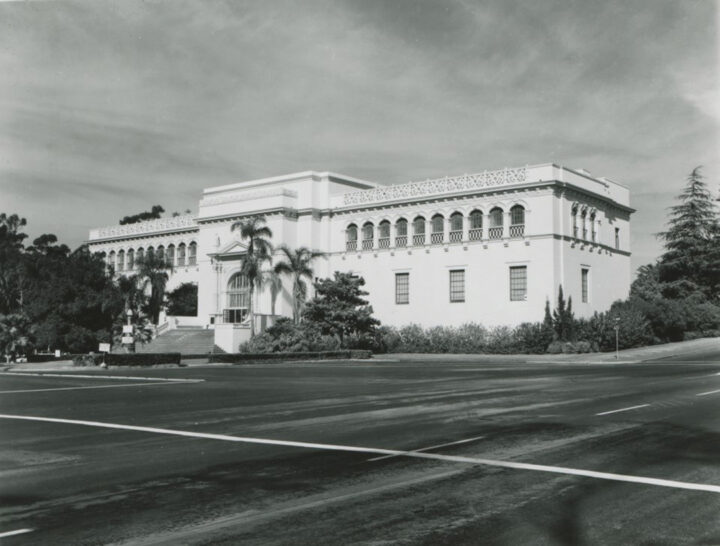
column 141, row 228
column 437, row 186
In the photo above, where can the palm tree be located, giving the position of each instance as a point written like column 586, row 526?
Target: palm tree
column 298, row 267
column 259, row 251
column 152, row 272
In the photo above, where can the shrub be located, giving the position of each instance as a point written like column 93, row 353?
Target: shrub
column 533, row 337
column 286, row 336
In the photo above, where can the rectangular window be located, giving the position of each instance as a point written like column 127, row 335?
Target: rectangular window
column 518, row 283
column 402, row 288
column 457, row 285
column 617, row 238
column 584, row 274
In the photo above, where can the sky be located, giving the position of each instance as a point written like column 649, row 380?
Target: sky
column 107, row 108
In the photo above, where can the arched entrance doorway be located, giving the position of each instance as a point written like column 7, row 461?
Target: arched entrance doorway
column 237, row 299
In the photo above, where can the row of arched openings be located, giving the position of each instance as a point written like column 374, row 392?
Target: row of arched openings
column 180, row 256
column 415, row 233
column 582, row 217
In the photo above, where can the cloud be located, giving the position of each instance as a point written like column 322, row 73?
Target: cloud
column 158, row 100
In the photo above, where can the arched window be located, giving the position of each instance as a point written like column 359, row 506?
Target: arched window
column 419, row 231
column 121, row 260
column 476, row 225
column 131, row 259
column 456, row 227
column 496, row 223
column 438, row 229
column 575, row 220
column 238, row 299
column 583, row 214
column 517, row 221
column 401, row 233
column 368, row 232
column 593, row 232
column 150, row 253
column 170, row 255
column 181, row 255
column 161, row 253
column 384, row 234
column 111, row 260
column 140, row 255
column 192, row 253
column 351, row 236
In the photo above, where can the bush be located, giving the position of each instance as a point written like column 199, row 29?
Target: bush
column 286, row 336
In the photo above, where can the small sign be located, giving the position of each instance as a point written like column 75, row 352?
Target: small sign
column 127, row 329
column 128, row 340
column 58, row 353
column 104, row 348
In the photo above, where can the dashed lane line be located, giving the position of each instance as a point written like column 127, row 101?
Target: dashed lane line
column 377, row 451
column 623, row 409
column 93, row 376
column 429, row 448
column 15, row 532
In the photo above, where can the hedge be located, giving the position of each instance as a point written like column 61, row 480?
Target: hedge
column 47, row 357
column 129, row 359
column 237, row 358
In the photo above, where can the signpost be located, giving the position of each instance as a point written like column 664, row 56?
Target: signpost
column 104, row 348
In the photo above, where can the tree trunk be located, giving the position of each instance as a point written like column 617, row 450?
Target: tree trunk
column 252, row 311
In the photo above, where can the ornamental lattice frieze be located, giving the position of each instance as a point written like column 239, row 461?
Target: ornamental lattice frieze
column 437, row 186
column 151, row 226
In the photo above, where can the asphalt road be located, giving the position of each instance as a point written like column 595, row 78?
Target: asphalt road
column 216, row 467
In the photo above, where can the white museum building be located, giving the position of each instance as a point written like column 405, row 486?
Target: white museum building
column 489, row 248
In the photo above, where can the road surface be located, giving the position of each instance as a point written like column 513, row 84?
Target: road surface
column 378, row 452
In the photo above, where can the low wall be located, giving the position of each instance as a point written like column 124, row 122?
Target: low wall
column 229, row 336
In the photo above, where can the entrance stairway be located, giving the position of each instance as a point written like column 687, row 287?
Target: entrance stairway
column 183, row 340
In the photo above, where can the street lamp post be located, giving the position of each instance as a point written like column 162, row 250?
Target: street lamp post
column 128, row 339
column 617, row 338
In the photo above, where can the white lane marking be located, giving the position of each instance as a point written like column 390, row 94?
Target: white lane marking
column 378, row 451
column 709, row 392
column 465, row 441
column 89, row 376
column 157, row 384
column 16, row 532
column 623, row 409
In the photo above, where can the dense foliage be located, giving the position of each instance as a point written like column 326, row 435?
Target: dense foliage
column 183, row 300
column 52, row 298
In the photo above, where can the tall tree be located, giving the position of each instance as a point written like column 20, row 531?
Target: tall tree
column 563, row 318
column 259, row 251
column 691, row 262
column 297, row 265
column 153, row 274
column 339, row 307
column 11, row 255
